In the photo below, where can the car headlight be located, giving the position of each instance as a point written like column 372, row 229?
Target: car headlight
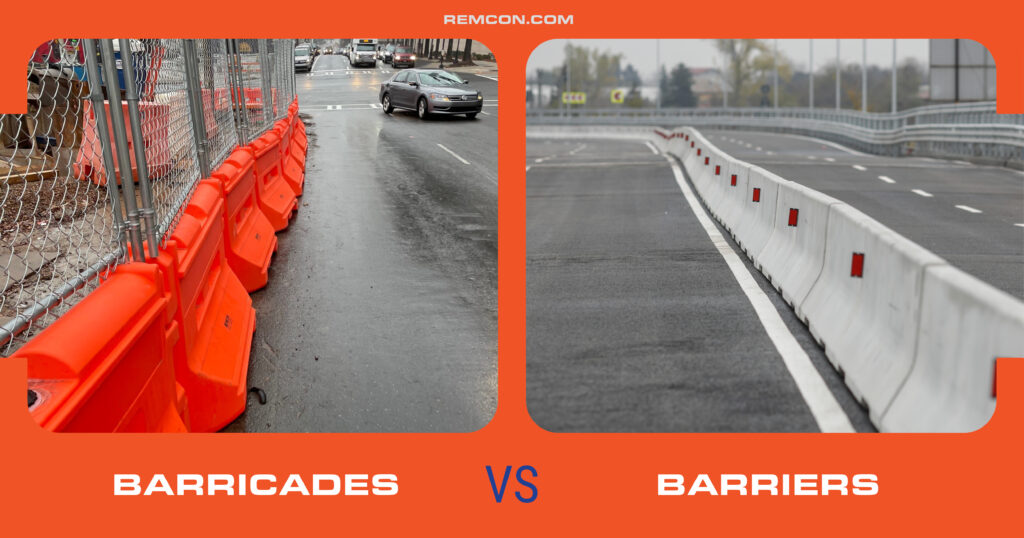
column 479, row 97
column 439, row 97
column 413, row 57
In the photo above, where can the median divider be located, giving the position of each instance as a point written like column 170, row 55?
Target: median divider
column 249, row 235
column 105, row 365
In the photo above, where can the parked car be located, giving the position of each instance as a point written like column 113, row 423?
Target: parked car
column 303, row 58
column 403, row 56
column 430, row 91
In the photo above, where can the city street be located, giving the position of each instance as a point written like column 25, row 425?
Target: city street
column 381, row 312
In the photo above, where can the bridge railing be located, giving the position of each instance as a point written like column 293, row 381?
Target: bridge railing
column 969, row 131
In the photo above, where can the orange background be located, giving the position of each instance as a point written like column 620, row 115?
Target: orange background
column 949, row 484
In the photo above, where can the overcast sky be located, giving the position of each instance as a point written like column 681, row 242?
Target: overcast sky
column 702, row 52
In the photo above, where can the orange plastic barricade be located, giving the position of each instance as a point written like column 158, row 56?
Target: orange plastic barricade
column 292, row 167
column 277, row 199
column 249, row 236
column 89, row 160
column 105, row 365
column 213, row 311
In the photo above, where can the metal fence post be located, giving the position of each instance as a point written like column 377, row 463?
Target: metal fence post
column 196, row 106
column 237, row 92
column 132, row 98
column 268, row 94
column 99, row 110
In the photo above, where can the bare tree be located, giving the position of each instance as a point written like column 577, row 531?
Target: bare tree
column 467, row 57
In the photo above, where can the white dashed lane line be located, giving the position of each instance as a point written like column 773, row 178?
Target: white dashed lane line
column 887, row 179
column 921, row 193
column 830, row 159
column 1021, row 224
column 859, row 167
column 453, row 154
column 968, row 208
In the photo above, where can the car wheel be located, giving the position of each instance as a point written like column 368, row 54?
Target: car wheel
column 386, row 104
column 471, row 115
column 421, row 108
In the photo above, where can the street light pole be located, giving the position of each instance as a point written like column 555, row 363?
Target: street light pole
column 657, row 71
column 810, row 70
column 894, row 76
column 838, row 69
column 775, row 73
column 864, row 75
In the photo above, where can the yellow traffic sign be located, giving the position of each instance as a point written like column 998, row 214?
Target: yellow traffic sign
column 618, row 96
column 574, row 98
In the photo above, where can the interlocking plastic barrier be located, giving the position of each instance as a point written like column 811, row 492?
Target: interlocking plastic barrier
column 276, row 196
column 250, row 236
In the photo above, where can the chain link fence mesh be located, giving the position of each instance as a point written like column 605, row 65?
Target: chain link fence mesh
column 61, row 227
column 58, row 233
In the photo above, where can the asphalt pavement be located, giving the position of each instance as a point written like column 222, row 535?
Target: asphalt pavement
column 635, row 320
column 971, row 215
column 381, row 312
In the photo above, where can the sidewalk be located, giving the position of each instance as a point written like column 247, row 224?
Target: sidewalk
column 482, row 67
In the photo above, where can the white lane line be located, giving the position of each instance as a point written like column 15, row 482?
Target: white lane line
column 1021, row 224
column 830, row 159
column 812, row 157
column 921, row 193
column 827, row 412
column 528, row 168
column 456, row 155
column 859, row 167
column 540, row 160
column 487, row 77
column 963, row 162
column 577, row 150
column 968, row 208
column 650, row 144
column 769, row 153
column 758, row 148
column 830, row 144
column 887, row 179
column 485, row 113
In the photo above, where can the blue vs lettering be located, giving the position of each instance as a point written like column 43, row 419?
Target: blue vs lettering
column 499, row 492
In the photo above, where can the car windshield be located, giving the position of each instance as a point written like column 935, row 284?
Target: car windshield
column 403, row 50
column 302, row 52
column 365, row 46
column 439, row 78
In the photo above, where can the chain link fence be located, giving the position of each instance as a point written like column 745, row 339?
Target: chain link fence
column 85, row 185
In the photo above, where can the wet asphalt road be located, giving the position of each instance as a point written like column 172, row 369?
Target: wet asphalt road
column 634, row 321
column 381, row 312
column 986, row 239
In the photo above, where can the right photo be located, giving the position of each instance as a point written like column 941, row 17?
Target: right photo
column 770, row 235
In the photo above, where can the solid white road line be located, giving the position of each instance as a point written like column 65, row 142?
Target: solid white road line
column 1021, row 224
column 840, row 147
column 456, row 155
column 650, row 144
column 823, row 405
column 495, row 79
column 859, row 167
column 921, row 192
column 887, row 179
column 968, row 208
column 577, row 150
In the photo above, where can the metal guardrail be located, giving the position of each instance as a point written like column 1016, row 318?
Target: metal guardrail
column 85, row 185
column 972, row 130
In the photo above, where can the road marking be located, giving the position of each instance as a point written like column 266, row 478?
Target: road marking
column 1021, row 224
column 758, row 148
column 812, row 157
column 963, row 162
column 887, row 179
column 654, row 150
column 527, row 168
column 487, row 77
column 577, row 150
column 859, row 167
column 826, row 411
column 749, row 145
column 456, row 155
column 921, row 192
column 968, row 208
column 830, row 159
column 540, row 160
column 376, row 105
column 769, row 153
column 485, row 113
column 599, row 164
column 840, row 147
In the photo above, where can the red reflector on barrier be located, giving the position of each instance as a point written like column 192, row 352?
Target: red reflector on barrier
column 687, row 137
column 733, row 181
column 757, row 195
column 698, row 152
column 793, row 216
column 707, row 161
column 718, row 169
column 857, row 267
column 691, row 144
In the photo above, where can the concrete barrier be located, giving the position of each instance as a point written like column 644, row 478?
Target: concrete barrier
column 795, row 252
column 733, row 184
column 757, row 219
column 865, row 306
column 951, row 385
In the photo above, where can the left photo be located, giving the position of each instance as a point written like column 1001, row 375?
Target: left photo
column 253, row 235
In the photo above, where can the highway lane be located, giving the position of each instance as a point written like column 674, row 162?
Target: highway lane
column 381, row 312
column 635, row 321
column 971, row 215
